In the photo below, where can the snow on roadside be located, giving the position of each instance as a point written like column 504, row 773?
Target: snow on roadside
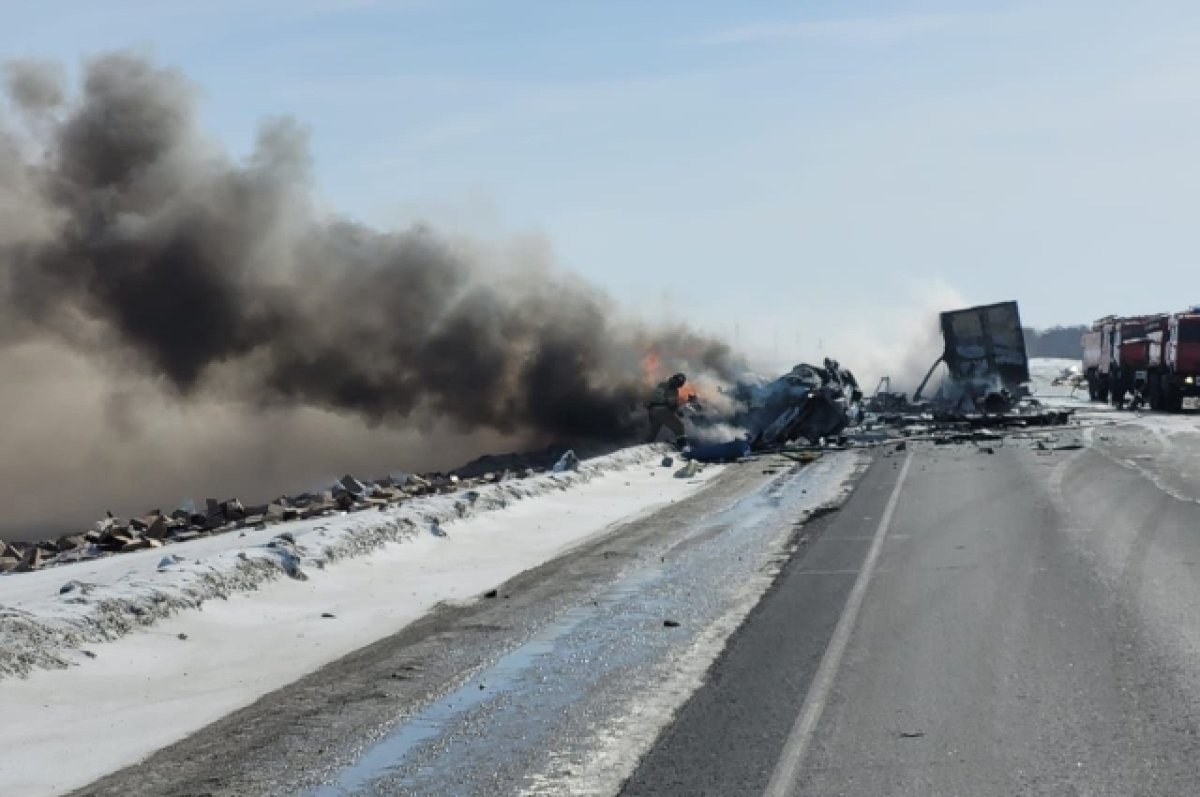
column 185, row 669
column 46, row 617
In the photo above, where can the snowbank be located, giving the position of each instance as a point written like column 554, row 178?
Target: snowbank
column 47, row 616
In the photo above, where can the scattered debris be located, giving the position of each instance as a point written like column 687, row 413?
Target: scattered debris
column 688, row 471
column 353, row 485
column 568, row 462
column 10, row 557
column 31, row 559
column 886, row 400
column 803, row 456
column 1071, row 377
column 719, row 452
column 155, row 528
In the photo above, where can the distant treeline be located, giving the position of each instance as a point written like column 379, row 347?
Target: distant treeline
column 1055, row 342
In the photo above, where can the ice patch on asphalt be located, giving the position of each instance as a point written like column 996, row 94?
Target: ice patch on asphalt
column 589, row 692
column 623, row 739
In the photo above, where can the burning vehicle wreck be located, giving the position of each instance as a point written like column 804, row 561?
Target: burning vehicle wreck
column 809, row 402
column 988, row 369
column 813, row 404
column 985, row 383
column 986, row 377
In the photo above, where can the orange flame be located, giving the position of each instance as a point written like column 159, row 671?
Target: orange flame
column 653, row 374
column 650, row 368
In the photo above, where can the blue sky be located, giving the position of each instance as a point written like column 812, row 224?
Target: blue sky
column 785, row 170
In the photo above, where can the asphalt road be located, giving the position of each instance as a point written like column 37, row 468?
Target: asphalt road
column 1019, row 622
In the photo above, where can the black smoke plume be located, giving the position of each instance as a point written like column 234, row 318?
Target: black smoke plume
column 129, row 239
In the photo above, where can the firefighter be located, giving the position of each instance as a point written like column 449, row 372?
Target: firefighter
column 664, row 410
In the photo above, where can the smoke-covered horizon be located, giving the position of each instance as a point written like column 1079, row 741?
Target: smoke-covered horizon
column 149, row 281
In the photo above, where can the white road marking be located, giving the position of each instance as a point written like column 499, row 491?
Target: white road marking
column 783, row 778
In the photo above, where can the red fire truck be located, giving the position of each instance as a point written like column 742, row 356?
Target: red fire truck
column 1093, row 358
column 1173, row 361
column 1153, row 358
